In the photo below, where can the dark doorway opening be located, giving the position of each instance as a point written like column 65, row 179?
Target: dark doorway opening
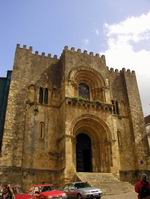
column 83, row 153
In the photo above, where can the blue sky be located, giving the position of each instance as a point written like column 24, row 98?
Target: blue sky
column 119, row 29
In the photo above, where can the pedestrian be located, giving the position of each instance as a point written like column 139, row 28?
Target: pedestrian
column 7, row 193
column 142, row 187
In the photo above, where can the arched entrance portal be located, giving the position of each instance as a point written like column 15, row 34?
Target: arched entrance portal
column 83, row 153
column 93, row 146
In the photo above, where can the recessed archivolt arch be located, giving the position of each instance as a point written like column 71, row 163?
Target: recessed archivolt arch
column 87, row 74
column 91, row 124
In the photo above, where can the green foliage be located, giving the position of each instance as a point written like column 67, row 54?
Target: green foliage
column 79, row 98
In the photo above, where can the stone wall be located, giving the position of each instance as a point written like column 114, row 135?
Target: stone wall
column 39, row 136
column 22, row 147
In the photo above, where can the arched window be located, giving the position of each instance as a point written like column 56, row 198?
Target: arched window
column 46, row 96
column 42, row 130
column 115, row 107
column 41, row 95
column 84, row 91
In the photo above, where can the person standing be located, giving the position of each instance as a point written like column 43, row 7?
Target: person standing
column 7, row 193
column 142, row 187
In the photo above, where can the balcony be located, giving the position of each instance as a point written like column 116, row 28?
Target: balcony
column 87, row 104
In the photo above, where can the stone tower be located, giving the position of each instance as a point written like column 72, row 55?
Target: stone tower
column 68, row 115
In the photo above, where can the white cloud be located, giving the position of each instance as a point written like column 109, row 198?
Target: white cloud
column 97, row 32
column 120, row 53
column 132, row 25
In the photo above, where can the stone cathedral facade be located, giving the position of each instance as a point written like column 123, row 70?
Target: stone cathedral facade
column 68, row 115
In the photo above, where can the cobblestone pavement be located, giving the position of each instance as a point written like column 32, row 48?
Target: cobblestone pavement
column 130, row 195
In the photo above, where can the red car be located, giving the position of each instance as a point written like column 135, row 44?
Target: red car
column 47, row 191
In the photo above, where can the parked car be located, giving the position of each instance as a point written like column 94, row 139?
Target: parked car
column 47, row 191
column 82, row 190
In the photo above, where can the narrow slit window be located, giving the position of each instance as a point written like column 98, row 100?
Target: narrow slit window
column 42, row 130
column 46, row 96
column 117, row 107
column 119, row 139
column 41, row 95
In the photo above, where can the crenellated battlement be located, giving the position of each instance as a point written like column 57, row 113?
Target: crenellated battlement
column 42, row 54
column 123, row 70
column 79, row 51
column 85, row 52
column 66, row 48
column 128, row 71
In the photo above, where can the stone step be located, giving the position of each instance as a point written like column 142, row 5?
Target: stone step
column 107, row 182
column 103, row 177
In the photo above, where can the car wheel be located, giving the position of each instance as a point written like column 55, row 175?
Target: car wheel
column 79, row 196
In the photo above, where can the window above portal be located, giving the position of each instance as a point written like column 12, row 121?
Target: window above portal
column 84, row 90
column 87, row 83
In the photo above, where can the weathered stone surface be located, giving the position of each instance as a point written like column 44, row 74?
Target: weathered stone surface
column 45, row 115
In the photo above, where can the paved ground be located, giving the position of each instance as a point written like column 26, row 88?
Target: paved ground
column 130, row 195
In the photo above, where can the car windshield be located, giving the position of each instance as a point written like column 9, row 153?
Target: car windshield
column 47, row 188
column 82, row 185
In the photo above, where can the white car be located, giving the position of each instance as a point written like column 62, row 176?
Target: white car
column 82, row 190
